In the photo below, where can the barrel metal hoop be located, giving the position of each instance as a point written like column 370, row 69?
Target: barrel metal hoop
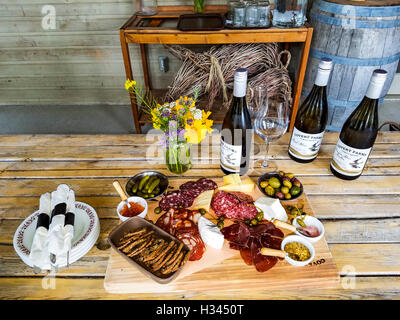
column 359, row 11
column 350, row 22
column 356, row 61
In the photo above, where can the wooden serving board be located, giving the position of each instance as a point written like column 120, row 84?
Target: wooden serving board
column 225, row 270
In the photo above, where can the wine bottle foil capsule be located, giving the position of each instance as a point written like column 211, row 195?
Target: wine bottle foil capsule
column 240, row 82
column 376, row 84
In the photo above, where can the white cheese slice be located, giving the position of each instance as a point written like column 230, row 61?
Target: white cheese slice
column 272, row 208
column 210, row 233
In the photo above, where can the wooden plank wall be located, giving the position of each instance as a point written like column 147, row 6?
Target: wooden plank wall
column 80, row 61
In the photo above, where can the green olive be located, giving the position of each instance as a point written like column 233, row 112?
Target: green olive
column 221, row 218
column 289, row 175
column 270, row 191
column 202, row 211
column 260, row 216
column 285, row 190
column 274, row 182
column 157, row 210
column 287, row 183
column 288, row 196
column 294, row 191
column 263, row 184
column 253, row 222
column 220, row 224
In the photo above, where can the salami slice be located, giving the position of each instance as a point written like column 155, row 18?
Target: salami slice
column 184, row 197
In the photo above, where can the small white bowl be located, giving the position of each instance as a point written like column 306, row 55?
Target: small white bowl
column 308, row 244
column 139, row 200
column 310, row 221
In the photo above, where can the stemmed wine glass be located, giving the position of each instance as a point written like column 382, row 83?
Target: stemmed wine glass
column 272, row 124
column 257, row 105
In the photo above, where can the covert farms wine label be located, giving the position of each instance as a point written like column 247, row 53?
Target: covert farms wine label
column 305, row 146
column 349, row 161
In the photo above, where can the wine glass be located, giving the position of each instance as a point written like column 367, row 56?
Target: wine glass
column 272, row 124
column 258, row 102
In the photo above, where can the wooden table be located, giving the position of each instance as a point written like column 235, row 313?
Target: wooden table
column 361, row 217
column 144, row 30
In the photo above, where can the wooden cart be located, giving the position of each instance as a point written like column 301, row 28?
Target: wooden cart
column 145, row 30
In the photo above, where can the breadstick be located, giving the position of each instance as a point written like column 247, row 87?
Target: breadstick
column 161, row 262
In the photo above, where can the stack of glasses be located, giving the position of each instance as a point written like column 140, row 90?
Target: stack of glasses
column 251, row 14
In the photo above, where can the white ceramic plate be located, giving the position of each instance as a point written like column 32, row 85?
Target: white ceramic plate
column 86, row 232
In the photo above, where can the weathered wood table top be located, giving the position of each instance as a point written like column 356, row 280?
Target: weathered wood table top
column 361, row 217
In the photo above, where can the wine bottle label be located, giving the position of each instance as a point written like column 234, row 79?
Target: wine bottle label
column 349, row 161
column 305, row 146
column 230, row 156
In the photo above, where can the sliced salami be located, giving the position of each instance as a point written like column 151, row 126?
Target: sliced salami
column 230, row 206
column 184, row 197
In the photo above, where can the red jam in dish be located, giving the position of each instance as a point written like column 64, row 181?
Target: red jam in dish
column 132, row 211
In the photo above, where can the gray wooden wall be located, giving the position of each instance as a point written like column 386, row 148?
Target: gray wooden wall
column 79, row 62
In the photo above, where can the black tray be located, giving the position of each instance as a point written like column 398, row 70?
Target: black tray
column 201, row 22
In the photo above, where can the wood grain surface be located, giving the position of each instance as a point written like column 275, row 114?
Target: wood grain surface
column 361, row 217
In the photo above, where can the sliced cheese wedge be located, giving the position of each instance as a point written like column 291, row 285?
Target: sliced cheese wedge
column 246, row 188
column 233, row 178
column 203, row 201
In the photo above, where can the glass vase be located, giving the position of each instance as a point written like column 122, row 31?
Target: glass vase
column 199, row 6
column 178, row 157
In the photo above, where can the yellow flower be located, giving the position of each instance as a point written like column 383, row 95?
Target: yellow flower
column 129, row 84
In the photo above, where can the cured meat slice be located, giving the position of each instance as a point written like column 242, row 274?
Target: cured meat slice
column 184, row 197
column 249, row 240
column 246, row 256
column 228, row 205
column 181, row 224
column 242, row 196
column 172, row 199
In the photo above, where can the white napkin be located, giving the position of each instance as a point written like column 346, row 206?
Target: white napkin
column 56, row 229
column 39, row 254
column 69, row 229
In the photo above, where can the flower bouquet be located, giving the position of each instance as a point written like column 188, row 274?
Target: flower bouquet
column 181, row 122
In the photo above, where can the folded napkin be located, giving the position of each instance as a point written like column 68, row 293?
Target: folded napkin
column 59, row 200
column 69, row 221
column 39, row 254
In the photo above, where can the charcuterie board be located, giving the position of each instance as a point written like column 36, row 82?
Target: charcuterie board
column 224, row 269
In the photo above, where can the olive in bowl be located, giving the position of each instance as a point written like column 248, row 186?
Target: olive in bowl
column 148, row 185
column 281, row 185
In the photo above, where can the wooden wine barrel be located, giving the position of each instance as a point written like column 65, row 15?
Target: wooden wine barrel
column 359, row 36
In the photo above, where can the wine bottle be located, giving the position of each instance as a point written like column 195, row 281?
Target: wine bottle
column 237, row 130
column 359, row 132
column 311, row 119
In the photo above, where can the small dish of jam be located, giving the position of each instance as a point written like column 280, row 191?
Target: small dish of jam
column 137, row 208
